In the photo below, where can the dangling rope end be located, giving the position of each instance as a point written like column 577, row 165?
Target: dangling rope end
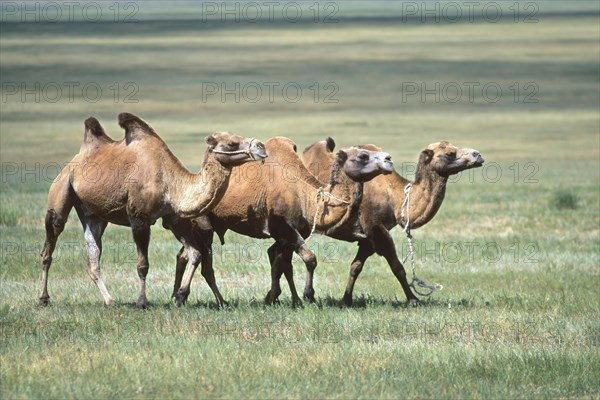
column 405, row 220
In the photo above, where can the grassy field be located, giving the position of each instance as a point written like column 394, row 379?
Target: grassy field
column 516, row 243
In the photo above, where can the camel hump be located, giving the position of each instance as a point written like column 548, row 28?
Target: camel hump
column 328, row 143
column 281, row 142
column 370, row 147
column 135, row 127
column 94, row 133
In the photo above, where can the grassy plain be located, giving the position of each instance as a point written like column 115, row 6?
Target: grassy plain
column 516, row 243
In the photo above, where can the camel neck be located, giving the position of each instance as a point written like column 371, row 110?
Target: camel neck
column 340, row 210
column 426, row 196
column 193, row 195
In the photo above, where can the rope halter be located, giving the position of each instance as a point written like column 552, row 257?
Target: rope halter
column 247, row 151
column 416, row 281
column 320, row 193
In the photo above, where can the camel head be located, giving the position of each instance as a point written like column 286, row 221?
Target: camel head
column 361, row 164
column 447, row 159
column 233, row 150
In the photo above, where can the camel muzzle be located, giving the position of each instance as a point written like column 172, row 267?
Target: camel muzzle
column 257, row 151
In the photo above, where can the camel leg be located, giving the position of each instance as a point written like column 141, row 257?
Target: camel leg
column 276, row 273
column 287, row 238
column 310, row 261
column 204, row 257
column 208, row 272
column 384, row 245
column 200, row 252
column 93, row 230
column 181, row 263
column 55, row 224
column 60, row 203
column 365, row 250
column 141, row 236
column 283, row 258
column 277, row 260
column 182, row 291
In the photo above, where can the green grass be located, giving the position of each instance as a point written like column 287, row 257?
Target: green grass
column 517, row 253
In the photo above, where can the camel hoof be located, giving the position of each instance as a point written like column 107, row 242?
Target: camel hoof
column 309, row 296
column 44, row 301
column 297, row 303
column 142, row 303
column 110, row 303
column 347, row 300
column 179, row 300
column 270, row 299
column 414, row 302
column 223, row 304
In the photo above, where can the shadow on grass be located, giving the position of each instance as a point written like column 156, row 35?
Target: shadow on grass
column 328, row 302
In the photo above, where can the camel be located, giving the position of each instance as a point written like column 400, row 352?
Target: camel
column 283, row 201
column 133, row 182
column 381, row 207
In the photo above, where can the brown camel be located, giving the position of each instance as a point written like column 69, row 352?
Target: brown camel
column 282, row 200
column 383, row 200
column 133, row 182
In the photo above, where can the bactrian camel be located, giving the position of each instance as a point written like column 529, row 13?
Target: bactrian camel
column 133, row 182
column 282, row 200
column 381, row 207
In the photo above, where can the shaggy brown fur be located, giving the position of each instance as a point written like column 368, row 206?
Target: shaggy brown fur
column 383, row 197
column 280, row 199
column 134, row 182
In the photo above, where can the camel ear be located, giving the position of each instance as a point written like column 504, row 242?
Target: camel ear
column 341, row 157
column 211, row 140
column 330, row 143
column 426, row 156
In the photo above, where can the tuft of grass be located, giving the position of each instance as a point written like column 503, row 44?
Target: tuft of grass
column 564, row 200
column 9, row 216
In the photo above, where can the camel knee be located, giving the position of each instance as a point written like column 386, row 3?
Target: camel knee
column 399, row 271
column 356, row 269
column 182, row 256
column 208, row 273
column 93, row 273
column 143, row 271
column 46, row 255
column 309, row 258
column 55, row 223
column 194, row 256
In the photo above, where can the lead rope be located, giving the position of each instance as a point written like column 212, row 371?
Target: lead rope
column 314, row 225
column 416, row 281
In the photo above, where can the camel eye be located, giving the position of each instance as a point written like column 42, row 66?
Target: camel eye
column 363, row 157
column 233, row 145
